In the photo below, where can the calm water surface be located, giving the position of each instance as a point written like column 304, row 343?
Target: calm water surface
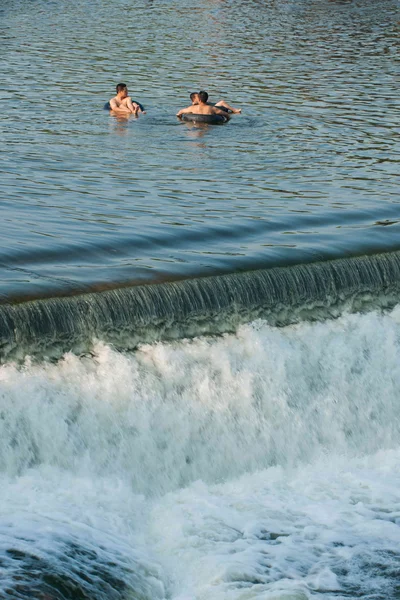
column 310, row 169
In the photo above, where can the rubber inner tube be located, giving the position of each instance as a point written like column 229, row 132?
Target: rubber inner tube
column 211, row 119
column 108, row 107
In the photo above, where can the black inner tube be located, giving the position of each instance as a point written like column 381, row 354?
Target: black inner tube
column 211, row 119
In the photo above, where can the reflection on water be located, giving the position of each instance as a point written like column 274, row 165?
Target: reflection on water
column 89, row 198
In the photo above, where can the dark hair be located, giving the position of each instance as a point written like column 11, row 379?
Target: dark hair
column 121, row 87
column 192, row 95
column 203, row 96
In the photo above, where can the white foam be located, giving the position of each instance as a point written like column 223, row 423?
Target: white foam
column 268, row 460
column 321, row 530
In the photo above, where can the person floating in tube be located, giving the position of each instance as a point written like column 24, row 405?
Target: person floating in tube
column 203, row 108
column 194, row 96
column 122, row 104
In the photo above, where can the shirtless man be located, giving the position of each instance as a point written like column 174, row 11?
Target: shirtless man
column 122, row 104
column 220, row 104
column 202, row 107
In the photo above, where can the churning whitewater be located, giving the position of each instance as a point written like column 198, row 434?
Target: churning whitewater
column 259, row 464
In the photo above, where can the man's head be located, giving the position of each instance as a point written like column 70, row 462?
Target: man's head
column 122, row 89
column 194, row 97
column 203, row 97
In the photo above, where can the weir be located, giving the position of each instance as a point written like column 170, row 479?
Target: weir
column 128, row 316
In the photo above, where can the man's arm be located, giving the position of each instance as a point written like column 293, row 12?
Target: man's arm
column 122, row 110
column 133, row 106
column 189, row 109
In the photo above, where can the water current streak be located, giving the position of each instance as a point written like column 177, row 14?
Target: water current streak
column 125, row 317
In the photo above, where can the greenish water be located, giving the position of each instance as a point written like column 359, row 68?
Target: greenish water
column 309, row 170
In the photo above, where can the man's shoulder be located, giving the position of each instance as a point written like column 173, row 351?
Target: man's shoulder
column 204, row 109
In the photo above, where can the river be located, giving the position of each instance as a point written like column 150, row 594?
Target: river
column 200, row 325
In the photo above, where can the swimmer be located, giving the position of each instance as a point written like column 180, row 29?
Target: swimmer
column 122, row 104
column 201, row 107
column 220, row 104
